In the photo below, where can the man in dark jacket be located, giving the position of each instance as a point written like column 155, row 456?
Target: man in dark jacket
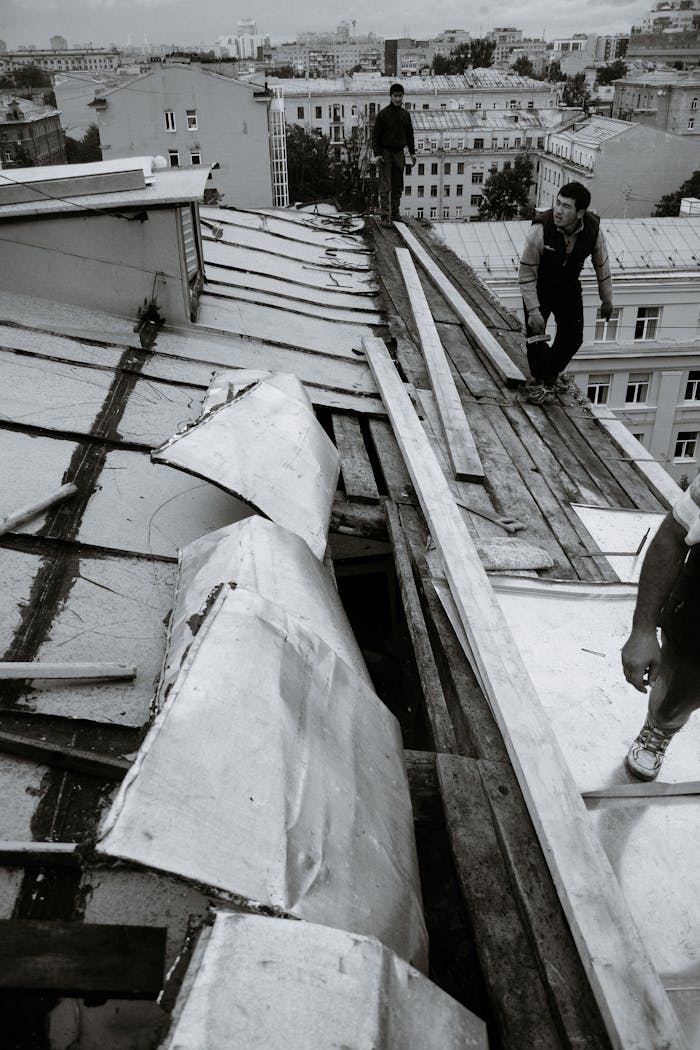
column 392, row 134
column 557, row 245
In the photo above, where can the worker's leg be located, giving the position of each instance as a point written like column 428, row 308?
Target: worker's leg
column 538, row 354
column 676, row 692
column 397, row 164
column 385, row 186
column 568, row 313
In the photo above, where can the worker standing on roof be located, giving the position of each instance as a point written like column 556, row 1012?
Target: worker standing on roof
column 392, row 138
column 668, row 596
column 557, row 245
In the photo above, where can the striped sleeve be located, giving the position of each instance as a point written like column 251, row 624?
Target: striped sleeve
column 529, row 265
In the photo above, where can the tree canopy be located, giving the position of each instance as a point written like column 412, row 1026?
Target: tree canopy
column 317, row 173
column 523, row 66
column 26, row 78
column 81, row 151
column 575, row 92
column 671, row 203
column 613, row 71
column 476, row 53
column 507, row 193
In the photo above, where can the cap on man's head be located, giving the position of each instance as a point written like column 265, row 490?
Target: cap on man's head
column 396, row 89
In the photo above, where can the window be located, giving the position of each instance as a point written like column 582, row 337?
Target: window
column 447, row 143
column 540, row 143
column 478, row 143
column 691, row 123
column 445, row 213
column 170, row 120
column 606, row 331
column 433, row 144
column 420, row 144
column 692, row 386
column 477, row 105
column 517, row 141
column 448, row 168
column 407, row 191
column 421, row 191
column 433, row 213
column 318, row 112
column 192, row 119
column 477, row 176
column 686, row 444
column 637, row 388
column 174, row 158
column 300, row 112
column 419, row 213
column 694, row 103
column 433, row 190
column 433, row 169
column 639, row 438
column 426, row 105
column 598, row 388
column 458, row 211
column 460, row 168
column 647, row 322
column 421, row 169
column 475, row 200
column 195, row 157
column 460, row 143
column 459, row 189
column 446, row 191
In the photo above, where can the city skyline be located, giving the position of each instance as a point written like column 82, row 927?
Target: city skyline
column 105, row 22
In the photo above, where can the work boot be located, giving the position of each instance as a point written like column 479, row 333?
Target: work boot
column 539, row 393
column 646, row 753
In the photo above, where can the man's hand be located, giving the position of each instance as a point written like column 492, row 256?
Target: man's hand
column 535, row 322
column 413, row 159
column 606, row 310
column 376, row 158
column 641, row 653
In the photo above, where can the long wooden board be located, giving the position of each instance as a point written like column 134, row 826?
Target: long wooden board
column 659, row 481
column 461, row 446
column 508, row 371
column 629, row 992
column 75, row 958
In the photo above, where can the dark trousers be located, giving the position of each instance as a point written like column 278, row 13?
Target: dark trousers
column 391, row 183
column 547, row 360
column 676, row 692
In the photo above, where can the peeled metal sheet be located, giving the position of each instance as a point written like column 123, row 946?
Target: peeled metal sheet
column 268, row 449
column 274, row 774
column 272, row 984
column 259, row 556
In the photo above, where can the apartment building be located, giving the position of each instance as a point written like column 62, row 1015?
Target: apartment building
column 664, row 99
column 644, row 363
column 620, row 163
column 339, row 108
column 574, row 53
column 505, row 38
column 333, row 59
column 29, row 133
column 671, row 16
column 91, row 59
column 679, row 48
column 456, row 151
column 193, row 116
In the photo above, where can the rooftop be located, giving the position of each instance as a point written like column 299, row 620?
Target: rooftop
column 439, row 85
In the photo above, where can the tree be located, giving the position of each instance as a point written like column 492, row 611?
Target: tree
column 613, row 71
column 317, row 173
column 477, row 53
column 26, row 78
column 554, row 73
column 507, row 193
column 86, row 149
column 22, row 158
column 575, row 92
column 523, row 66
column 671, row 203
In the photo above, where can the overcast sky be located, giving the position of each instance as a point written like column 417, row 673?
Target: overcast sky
column 190, row 22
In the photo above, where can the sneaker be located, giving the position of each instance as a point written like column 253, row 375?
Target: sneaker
column 562, row 383
column 646, row 754
column 539, row 393
column 387, row 224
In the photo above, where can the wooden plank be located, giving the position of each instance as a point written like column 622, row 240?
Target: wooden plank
column 473, row 375
column 396, row 478
column 438, row 718
column 660, row 482
column 41, row 669
column 76, row 958
column 39, row 854
column 461, row 447
column 629, row 992
column 358, row 476
column 568, row 989
column 26, row 513
column 508, row 371
column 69, row 758
column 517, row 996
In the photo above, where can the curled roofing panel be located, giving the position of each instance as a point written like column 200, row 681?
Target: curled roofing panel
column 268, row 449
column 272, row 984
column 259, row 556
column 273, row 773
column 278, row 224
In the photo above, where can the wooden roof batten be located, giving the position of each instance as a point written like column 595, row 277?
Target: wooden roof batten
column 629, row 992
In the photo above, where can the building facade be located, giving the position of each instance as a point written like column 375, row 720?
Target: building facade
column 192, row 116
column 644, row 363
column 90, row 59
column 679, row 48
column 29, row 133
column 620, row 164
column 665, row 99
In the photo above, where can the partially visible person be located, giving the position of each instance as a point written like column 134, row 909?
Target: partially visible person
column 668, row 597
column 557, row 245
column 391, row 136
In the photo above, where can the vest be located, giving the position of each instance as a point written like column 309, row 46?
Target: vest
column 557, row 269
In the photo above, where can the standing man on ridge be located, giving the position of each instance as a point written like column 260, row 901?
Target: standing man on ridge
column 557, row 245
column 391, row 136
